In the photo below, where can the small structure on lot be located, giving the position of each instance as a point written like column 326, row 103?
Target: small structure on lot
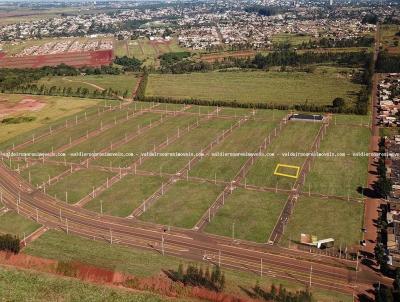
column 307, row 117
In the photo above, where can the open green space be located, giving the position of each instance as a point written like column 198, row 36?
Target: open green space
column 115, row 118
column 55, row 111
column 227, row 158
column 292, row 39
column 40, row 173
column 183, row 204
column 125, row 196
column 146, row 141
column 59, row 246
column 112, row 135
column 120, row 83
column 23, row 285
column 341, row 175
column 84, row 126
column 14, row 224
column 78, row 184
column 187, row 146
column 319, row 87
column 248, row 215
column 297, row 136
column 388, row 38
column 326, row 218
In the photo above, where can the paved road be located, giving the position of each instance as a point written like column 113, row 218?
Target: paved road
column 328, row 273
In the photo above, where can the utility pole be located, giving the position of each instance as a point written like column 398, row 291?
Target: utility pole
column 233, row 231
column 310, row 276
column 101, row 207
column 261, row 267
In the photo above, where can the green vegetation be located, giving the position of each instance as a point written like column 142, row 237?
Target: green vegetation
column 80, row 129
column 389, row 38
column 58, row 245
column 255, row 87
column 341, row 175
column 78, row 184
column 10, row 243
column 18, row 285
column 187, row 146
column 40, row 173
column 326, row 218
column 298, row 136
column 55, row 111
column 18, row 120
column 125, row 196
column 183, row 204
column 248, row 215
column 247, row 138
column 147, row 141
column 14, row 224
column 122, row 84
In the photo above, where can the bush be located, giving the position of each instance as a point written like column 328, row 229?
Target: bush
column 9, row 243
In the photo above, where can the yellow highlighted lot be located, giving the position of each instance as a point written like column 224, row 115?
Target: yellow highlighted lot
column 295, row 175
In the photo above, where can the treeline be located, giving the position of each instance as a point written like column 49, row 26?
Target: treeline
column 129, row 64
column 81, row 92
column 263, row 10
column 13, row 78
column 387, row 63
column 383, row 185
column 280, row 294
column 9, row 243
column 335, row 43
column 193, row 275
column 278, row 58
column 141, row 90
column 236, row 104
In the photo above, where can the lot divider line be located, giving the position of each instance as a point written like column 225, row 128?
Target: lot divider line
column 132, row 168
column 183, row 173
column 88, row 135
column 53, row 131
column 240, row 175
column 288, row 208
column 73, row 167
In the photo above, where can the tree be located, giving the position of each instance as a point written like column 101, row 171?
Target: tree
column 338, row 102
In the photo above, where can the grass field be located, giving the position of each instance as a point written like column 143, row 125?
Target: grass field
column 147, row 141
column 341, row 175
column 296, row 137
column 57, row 108
column 245, row 139
column 147, row 51
column 120, row 83
column 40, row 172
column 19, row 285
column 248, row 215
column 12, row 223
column 57, row 245
column 78, row 184
column 91, row 124
column 254, row 87
column 126, row 195
column 293, row 39
column 191, row 142
column 326, row 218
column 183, row 204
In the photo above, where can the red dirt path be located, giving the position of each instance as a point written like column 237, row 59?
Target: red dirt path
column 27, row 104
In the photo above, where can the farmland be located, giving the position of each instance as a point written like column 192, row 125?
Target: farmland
column 318, row 88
